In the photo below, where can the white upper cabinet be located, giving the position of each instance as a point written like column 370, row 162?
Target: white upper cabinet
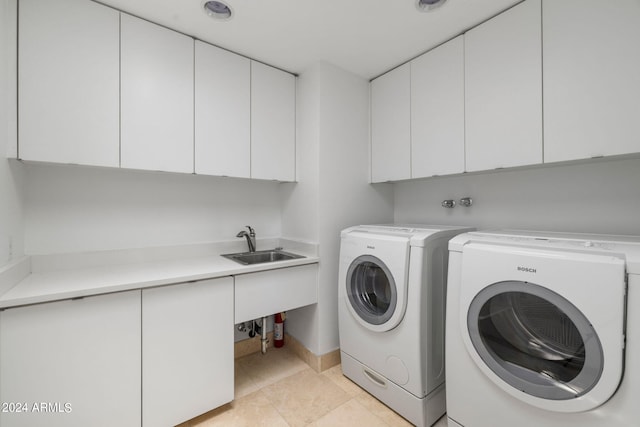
column 591, row 78
column 103, row 88
column 69, row 82
column 244, row 117
column 437, row 111
column 503, row 90
column 417, row 117
column 156, row 97
column 222, row 112
column 391, row 125
column 273, row 117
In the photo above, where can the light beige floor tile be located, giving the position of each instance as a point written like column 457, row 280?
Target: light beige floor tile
column 252, row 410
column 305, row 397
column 335, row 375
column 350, row 414
column 380, row 410
column 280, row 390
column 265, row 369
column 244, row 385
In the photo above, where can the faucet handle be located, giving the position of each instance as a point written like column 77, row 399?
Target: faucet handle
column 252, row 232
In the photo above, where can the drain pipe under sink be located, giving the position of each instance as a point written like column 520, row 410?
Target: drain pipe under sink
column 263, row 340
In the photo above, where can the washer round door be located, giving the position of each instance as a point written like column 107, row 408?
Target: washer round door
column 372, row 293
column 535, row 340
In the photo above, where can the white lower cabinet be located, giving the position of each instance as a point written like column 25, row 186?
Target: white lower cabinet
column 187, row 350
column 152, row 357
column 72, row 363
column 268, row 292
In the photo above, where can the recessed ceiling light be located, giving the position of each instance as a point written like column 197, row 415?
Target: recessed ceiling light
column 217, row 9
column 428, row 5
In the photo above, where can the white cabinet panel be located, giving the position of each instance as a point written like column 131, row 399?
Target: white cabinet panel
column 69, row 82
column 437, row 111
column 391, row 125
column 503, row 90
column 591, row 78
column 187, row 350
column 273, row 116
column 268, row 292
column 84, row 353
column 157, row 97
column 222, row 112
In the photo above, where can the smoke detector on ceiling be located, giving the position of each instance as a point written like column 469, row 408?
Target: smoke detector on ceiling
column 428, row 5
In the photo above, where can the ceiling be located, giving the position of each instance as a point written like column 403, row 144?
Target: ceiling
column 366, row 37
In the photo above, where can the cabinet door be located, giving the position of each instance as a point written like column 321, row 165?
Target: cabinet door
column 503, row 90
column 391, row 125
column 187, row 350
column 156, row 97
column 591, row 78
column 273, row 117
column 268, row 292
column 437, row 111
column 222, row 112
column 69, row 82
column 80, row 358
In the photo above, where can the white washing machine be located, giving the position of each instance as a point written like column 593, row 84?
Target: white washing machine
column 391, row 315
column 543, row 329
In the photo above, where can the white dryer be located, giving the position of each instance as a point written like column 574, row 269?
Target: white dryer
column 543, row 329
column 391, row 315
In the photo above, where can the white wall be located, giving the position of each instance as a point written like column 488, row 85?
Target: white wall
column 333, row 142
column 597, row 197
column 73, row 208
column 300, row 201
column 11, row 226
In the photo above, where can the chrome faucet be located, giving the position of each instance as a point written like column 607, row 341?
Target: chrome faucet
column 250, row 236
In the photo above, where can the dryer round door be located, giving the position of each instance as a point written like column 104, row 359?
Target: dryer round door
column 372, row 293
column 545, row 326
column 535, row 340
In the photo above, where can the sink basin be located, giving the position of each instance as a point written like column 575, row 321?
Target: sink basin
column 260, row 257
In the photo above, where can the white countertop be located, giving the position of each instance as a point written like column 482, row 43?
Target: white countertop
column 118, row 272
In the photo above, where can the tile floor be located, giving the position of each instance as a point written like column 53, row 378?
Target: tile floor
column 279, row 389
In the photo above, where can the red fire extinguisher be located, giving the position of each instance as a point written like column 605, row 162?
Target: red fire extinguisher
column 278, row 330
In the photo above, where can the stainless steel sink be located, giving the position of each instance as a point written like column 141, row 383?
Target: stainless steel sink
column 259, row 257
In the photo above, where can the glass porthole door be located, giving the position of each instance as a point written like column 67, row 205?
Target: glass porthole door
column 535, row 340
column 371, row 290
